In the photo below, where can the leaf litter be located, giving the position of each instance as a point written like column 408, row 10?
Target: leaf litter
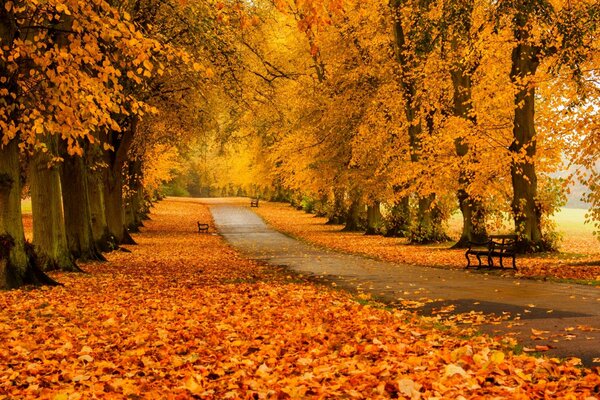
column 183, row 316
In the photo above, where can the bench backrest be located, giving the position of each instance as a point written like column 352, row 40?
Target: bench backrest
column 503, row 242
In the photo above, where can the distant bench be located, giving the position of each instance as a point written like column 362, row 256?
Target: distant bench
column 501, row 246
column 254, row 202
column 202, row 228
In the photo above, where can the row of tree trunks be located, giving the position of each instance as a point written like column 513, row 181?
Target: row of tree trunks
column 17, row 267
column 76, row 213
column 17, row 263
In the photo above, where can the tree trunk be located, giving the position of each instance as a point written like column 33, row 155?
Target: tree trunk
column 17, row 267
column 473, row 214
column 102, row 238
column 76, row 203
column 135, row 197
column 113, row 182
column 49, row 236
column 353, row 214
column 338, row 213
column 426, row 229
column 398, row 223
column 374, row 219
column 472, row 209
column 113, row 203
column 17, row 259
column 321, row 205
column 526, row 211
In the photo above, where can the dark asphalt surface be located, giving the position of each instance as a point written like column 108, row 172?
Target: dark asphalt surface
column 568, row 314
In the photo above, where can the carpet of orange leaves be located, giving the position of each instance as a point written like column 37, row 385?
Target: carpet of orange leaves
column 183, row 316
column 313, row 229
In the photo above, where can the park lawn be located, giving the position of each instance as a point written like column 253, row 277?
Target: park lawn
column 579, row 258
column 183, row 316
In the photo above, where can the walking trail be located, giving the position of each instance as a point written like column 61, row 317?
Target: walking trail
column 562, row 317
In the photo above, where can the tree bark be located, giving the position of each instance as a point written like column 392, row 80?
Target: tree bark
column 113, row 183
column 338, row 213
column 100, row 233
column 354, row 213
column 135, row 197
column 374, row 218
column 526, row 212
column 17, row 259
column 49, row 236
column 409, row 59
column 17, row 267
column 113, row 203
column 472, row 209
column 78, row 217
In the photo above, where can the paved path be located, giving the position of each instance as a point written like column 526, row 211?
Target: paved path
column 552, row 307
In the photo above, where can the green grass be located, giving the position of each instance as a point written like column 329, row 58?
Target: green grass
column 571, row 221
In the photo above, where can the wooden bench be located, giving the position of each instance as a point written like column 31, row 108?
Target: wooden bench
column 202, row 228
column 501, row 246
column 254, row 202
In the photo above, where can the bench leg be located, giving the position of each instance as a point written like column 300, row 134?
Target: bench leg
column 501, row 265
column 468, row 261
column 490, row 262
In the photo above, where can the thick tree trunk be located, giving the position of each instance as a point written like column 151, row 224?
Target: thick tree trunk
column 353, row 214
column 472, row 209
column 374, row 219
column 526, row 211
column 113, row 182
column 338, row 212
column 473, row 214
column 135, row 211
column 114, row 207
column 100, row 232
column 49, row 236
column 17, row 267
column 78, row 217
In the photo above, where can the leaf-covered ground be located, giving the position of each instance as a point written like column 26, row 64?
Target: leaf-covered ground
column 184, row 316
column 584, row 265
